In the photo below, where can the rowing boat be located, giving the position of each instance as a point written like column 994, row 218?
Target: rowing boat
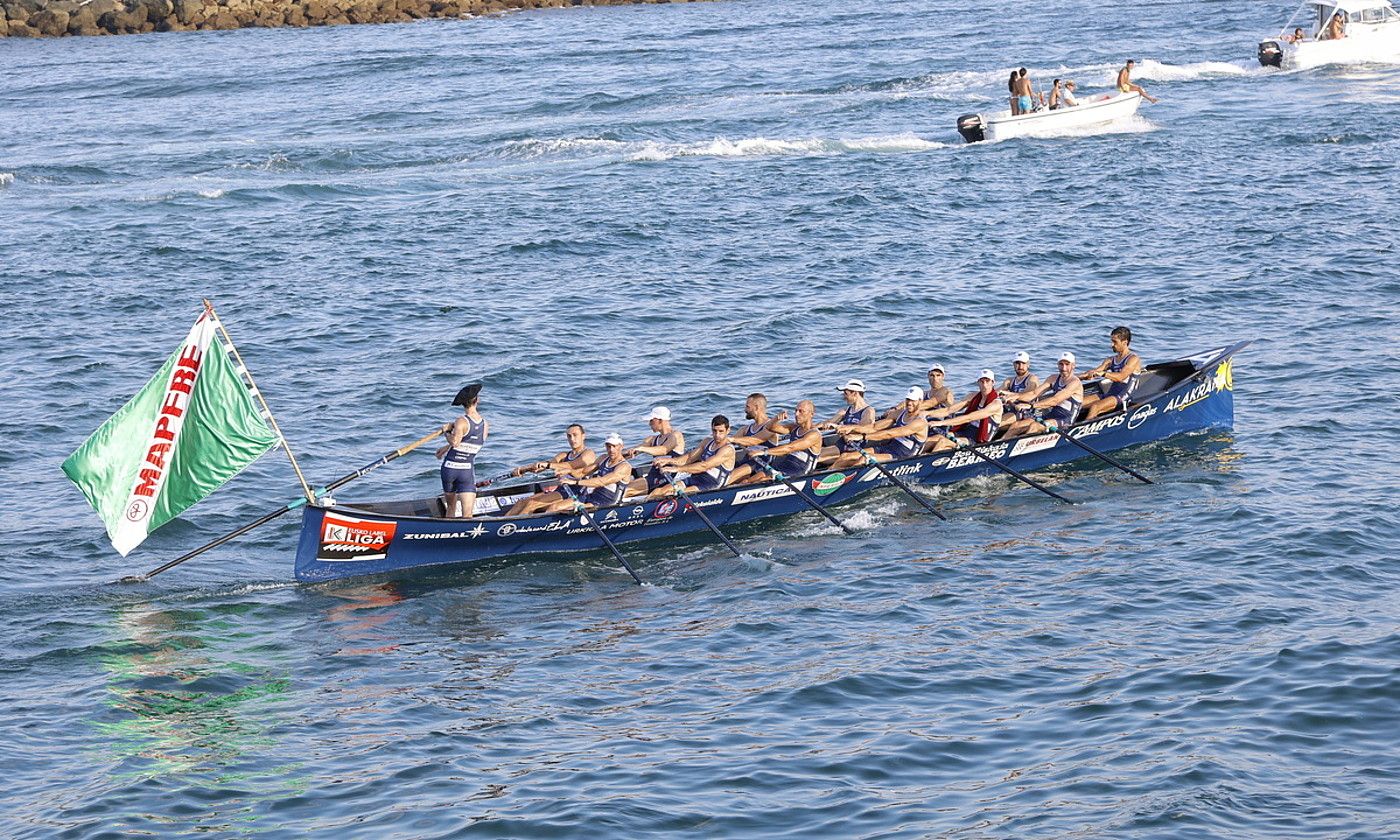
column 344, row 539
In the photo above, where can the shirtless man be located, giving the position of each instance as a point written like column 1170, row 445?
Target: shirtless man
column 753, row 433
column 1059, row 397
column 974, row 420
column 801, row 444
column 1121, row 370
column 857, row 412
column 1125, row 82
column 1297, row 37
column 575, row 462
column 708, row 464
column 899, row 434
column 664, row 440
column 1019, row 383
column 1024, row 103
column 465, row 437
column 603, row 484
column 1336, row 29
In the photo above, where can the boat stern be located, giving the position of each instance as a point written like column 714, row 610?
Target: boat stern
column 1270, row 53
column 972, row 128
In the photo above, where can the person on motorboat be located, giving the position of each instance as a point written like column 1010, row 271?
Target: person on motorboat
column 753, row 433
column 1336, row 29
column 1297, row 37
column 604, row 484
column 576, row 461
column 1018, row 383
column 900, row 434
column 465, row 437
column 974, row 420
column 1122, row 370
column 800, row 448
column 1011, row 88
column 1053, row 100
column 1125, row 82
column 1022, row 88
column 937, row 395
column 1067, row 99
column 857, row 412
column 1058, row 398
column 665, row 440
column 708, row 464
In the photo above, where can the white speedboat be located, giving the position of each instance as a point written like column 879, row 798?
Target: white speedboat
column 1371, row 34
column 1091, row 111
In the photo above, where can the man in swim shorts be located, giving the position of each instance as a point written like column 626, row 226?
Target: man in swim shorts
column 1125, row 83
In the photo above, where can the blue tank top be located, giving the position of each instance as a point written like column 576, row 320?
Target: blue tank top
column 1019, row 385
column 464, row 453
column 753, row 428
column 1127, row 386
column 806, row 457
column 608, row 494
column 718, row 474
column 911, row 443
column 656, row 440
column 855, row 417
column 1068, row 410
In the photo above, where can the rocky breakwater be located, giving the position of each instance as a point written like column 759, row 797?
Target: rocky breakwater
column 52, row 18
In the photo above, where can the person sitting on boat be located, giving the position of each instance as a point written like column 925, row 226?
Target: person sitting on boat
column 574, row 462
column 800, row 447
column 465, row 437
column 603, row 485
column 708, row 464
column 1058, row 398
column 1018, row 383
column 974, row 420
column 1053, row 100
column 937, row 395
column 857, row 412
column 1121, row 370
column 664, row 440
column 1297, row 37
column 1125, row 82
column 1336, row 29
column 900, row 434
column 753, row 433
column 1067, row 99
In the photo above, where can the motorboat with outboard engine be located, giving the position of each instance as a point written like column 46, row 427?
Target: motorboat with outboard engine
column 1091, row 111
column 1370, row 34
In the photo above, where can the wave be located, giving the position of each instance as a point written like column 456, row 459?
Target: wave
column 6, row 178
column 1157, row 71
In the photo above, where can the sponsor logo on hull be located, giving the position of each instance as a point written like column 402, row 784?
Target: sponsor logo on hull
column 1141, row 415
column 830, row 484
column 759, row 494
column 347, row 539
column 449, row 535
column 1038, row 443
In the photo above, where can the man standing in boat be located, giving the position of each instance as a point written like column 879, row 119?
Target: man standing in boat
column 1125, row 82
column 574, row 462
column 1059, row 397
column 664, row 440
column 974, row 420
column 801, row 447
column 857, row 412
column 899, row 434
column 708, row 465
column 1024, row 103
column 465, row 438
column 1121, row 370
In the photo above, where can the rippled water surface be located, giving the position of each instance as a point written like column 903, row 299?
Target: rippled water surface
column 598, row 210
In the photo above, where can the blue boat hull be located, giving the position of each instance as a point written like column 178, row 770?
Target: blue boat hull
column 340, row 541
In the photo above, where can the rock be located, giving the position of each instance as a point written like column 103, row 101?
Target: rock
column 22, row 30
column 83, row 18
column 185, row 10
column 50, row 22
column 157, row 10
column 16, row 13
column 4, row 26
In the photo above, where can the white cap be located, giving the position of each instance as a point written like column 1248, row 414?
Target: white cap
column 1067, row 357
column 987, row 374
column 1022, row 356
column 661, row 412
column 915, row 393
column 853, row 385
column 936, row 367
column 614, row 439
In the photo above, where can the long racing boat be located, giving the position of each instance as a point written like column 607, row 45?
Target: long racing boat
column 343, row 539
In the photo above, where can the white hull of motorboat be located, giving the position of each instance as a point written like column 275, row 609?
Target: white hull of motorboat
column 1380, row 47
column 1091, row 111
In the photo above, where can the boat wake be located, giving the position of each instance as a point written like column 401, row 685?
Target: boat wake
column 719, row 147
column 6, row 178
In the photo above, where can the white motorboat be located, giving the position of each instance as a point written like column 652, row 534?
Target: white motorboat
column 1370, row 34
column 1091, row 111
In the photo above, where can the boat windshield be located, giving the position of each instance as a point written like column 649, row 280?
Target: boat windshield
column 1314, row 16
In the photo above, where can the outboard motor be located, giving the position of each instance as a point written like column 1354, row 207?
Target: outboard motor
column 1270, row 54
column 971, row 126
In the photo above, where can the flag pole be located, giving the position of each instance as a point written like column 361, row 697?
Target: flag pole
column 306, row 488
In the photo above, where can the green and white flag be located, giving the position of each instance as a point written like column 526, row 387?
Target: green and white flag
column 192, row 428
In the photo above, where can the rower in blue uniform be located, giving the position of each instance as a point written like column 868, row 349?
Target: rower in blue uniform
column 465, row 437
column 574, row 462
column 857, row 412
column 899, row 434
column 664, row 441
column 937, row 395
column 972, row 421
column 1056, row 400
column 800, row 447
column 605, row 482
column 753, row 433
column 1120, row 371
column 708, row 464
column 1021, row 381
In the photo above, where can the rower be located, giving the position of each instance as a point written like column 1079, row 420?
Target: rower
column 857, row 412
column 1121, row 370
column 605, row 482
column 574, row 462
column 664, row 440
column 753, row 433
column 937, row 395
column 708, row 464
column 1018, row 383
column 1058, row 397
column 972, row 421
column 465, row 437
column 899, row 434
column 801, row 443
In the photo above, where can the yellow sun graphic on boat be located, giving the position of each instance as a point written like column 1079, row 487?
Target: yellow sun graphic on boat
column 1225, row 377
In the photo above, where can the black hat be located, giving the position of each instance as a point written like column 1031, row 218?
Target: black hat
column 467, row 395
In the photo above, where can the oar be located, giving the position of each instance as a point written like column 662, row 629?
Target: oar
column 293, row 505
column 1055, row 427
column 543, row 475
column 870, row 459
column 584, row 515
column 680, row 491
column 1011, row 471
column 767, row 464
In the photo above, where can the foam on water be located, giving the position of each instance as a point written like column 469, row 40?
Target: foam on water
column 6, row 178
